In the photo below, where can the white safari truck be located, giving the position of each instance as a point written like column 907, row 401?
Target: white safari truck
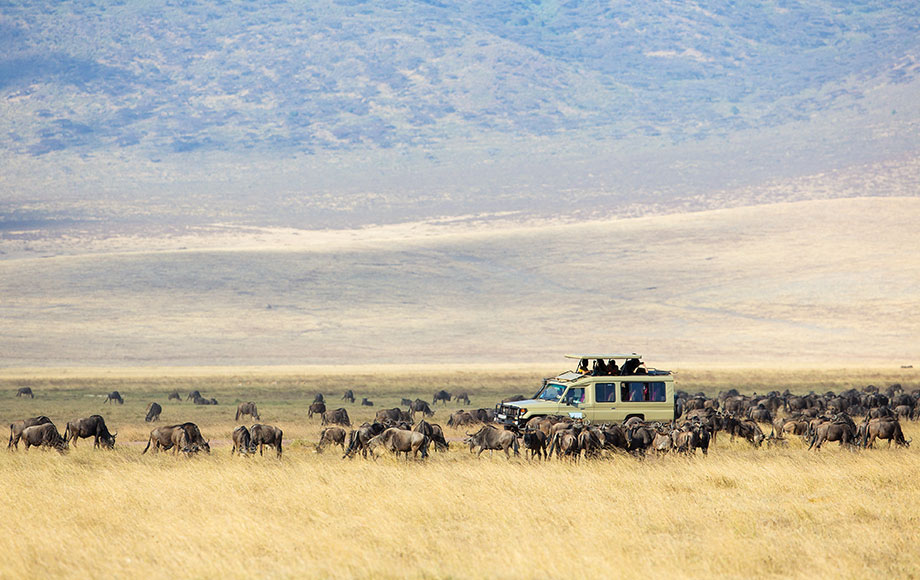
column 604, row 388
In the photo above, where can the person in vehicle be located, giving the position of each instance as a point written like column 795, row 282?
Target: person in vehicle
column 583, row 367
column 630, row 366
column 600, row 368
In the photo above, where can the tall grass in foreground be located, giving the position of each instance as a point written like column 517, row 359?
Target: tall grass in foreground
column 738, row 512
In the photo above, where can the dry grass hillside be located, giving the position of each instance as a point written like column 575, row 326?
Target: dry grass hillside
column 816, row 282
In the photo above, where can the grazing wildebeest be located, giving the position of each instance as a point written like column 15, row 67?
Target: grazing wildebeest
column 840, row 430
column 153, row 412
column 489, row 437
column 663, row 441
column 420, row 406
column 462, row 396
column 366, row 402
column 639, row 438
column 434, row 432
column 461, row 419
column 92, row 426
column 442, row 396
column 193, row 395
column 114, row 396
column 248, row 408
column 166, row 437
column 349, row 396
column 337, row 417
column 889, row 429
column 564, row 442
column 44, row 435
column 17, row 427
column 400, row 441
column 394, row 415
column 358, row 438
column 405, row 403
column 331, row 436
column 242, row 441
column 266, row 435
column 25, row 392
column 316, row 408
column 174, row 396
column 535, row 441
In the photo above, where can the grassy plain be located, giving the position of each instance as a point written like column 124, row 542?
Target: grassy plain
column 740, row 512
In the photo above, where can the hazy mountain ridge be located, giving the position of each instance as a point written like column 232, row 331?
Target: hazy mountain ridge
column 316, row 76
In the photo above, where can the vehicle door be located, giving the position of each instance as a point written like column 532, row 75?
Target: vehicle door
column 573, row 401
column 604, row 407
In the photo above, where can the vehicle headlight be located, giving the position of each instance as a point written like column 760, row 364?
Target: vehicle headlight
column 522, row 412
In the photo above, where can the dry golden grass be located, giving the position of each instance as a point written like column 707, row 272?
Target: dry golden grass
column 739, row 512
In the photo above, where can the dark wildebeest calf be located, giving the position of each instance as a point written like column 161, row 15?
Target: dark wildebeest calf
column 331, row 436
column 366, row 402
column 114, row 396
column 316, row 408
column 17, row 427
column 248, row 408
column 242, row 441
column 25, row 392
column 153, row 412
column 266, row 435
column 45, row 435
column 92, row 426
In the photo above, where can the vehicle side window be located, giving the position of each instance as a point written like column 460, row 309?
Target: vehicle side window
column 576, row 395
column 605, row 392
column 636, row 391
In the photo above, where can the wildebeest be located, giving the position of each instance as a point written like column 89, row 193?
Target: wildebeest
column 174, row 396
column 316, row 408
column 889, row 429
column 442, row 396
column 188, row 441
column 462, row 396
column 242, row 441
column 25, row 392
column 266, row 435
column 840, row 429
column 92, row 426
column 535, row 441
column 349, row 396
column 203, row 401
column 331, row 436
column 337, row 417
column 248, row 408
column 318, row 398
column 367, row 402
column 400, row 441
column 114, row 396
column 153, row 412
column 193, row 395
column 405, row 402
column 358, row 438
column 489, row 437
column 461, row 419
column 17, row 427
column 420, row 406
column 434, row 432
column 44, row 435
column 394, row 415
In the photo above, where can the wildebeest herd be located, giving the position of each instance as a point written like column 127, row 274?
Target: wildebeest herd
column 816, row 418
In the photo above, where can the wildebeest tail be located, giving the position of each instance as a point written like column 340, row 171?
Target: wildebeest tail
column 149, row 441
column 10, row 444
column 426, row 440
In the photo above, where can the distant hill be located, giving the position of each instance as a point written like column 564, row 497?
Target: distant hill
column 116, row 109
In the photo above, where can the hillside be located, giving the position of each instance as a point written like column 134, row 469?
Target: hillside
column 823, row 282
column 340, row 113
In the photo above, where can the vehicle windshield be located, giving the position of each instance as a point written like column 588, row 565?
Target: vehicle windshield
column 551, row 392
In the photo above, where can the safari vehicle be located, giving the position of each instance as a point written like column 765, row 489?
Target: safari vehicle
column 599, row 391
